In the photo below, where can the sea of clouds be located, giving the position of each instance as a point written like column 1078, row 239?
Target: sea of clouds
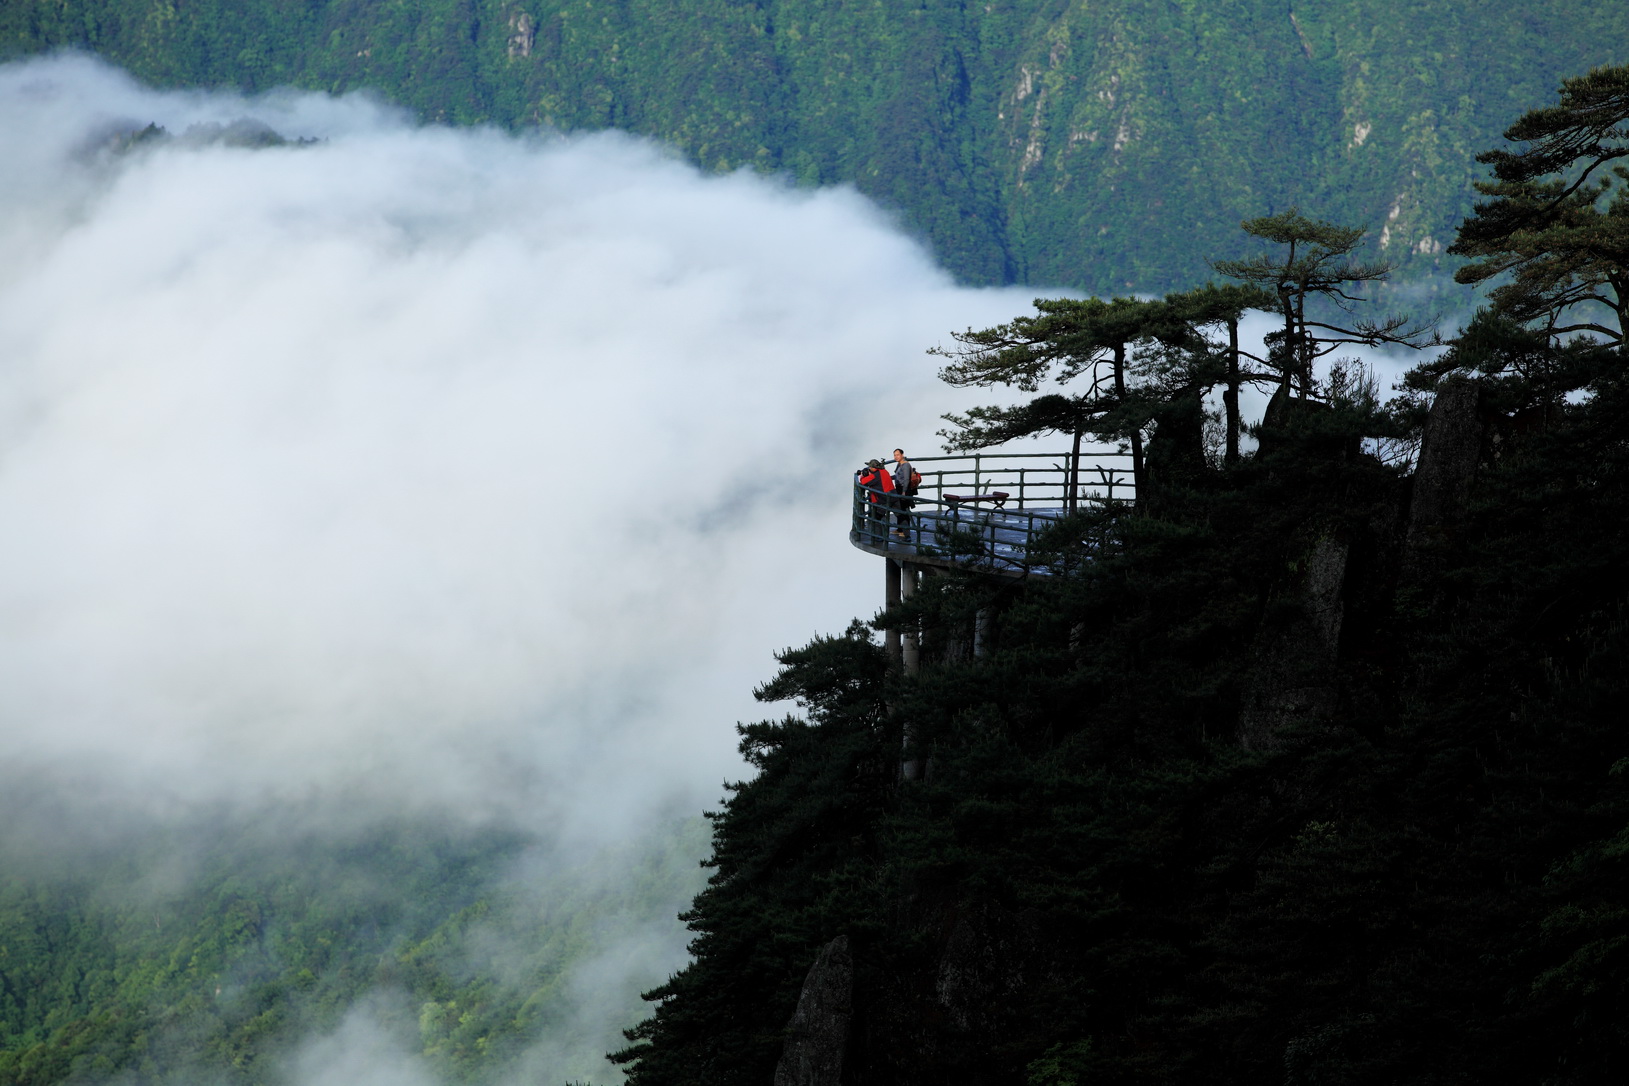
column 477, row 471
column 403, row 471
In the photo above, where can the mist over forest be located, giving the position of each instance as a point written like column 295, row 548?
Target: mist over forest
column 376, row 489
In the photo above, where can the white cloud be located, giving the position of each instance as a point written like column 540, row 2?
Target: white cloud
column 449, row 467
column 372, row 1044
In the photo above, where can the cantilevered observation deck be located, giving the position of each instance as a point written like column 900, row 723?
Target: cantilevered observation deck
column 981, row 513
column 984, row 511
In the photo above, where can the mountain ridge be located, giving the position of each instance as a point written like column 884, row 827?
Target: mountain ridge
column 1098, row 146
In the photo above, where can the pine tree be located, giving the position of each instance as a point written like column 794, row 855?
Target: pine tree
column 1224, row 305
column 1555, row 234
column 1068, row 339
column 1316, row 267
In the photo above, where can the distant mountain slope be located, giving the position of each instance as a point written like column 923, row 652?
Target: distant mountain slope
column 214, row 951
column 1104, row 144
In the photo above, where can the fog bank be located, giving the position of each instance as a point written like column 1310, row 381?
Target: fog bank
column 438, row 469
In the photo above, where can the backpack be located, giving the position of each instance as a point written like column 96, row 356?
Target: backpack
column 916, row 481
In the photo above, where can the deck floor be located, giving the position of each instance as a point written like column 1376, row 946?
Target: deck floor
column 1005, row 535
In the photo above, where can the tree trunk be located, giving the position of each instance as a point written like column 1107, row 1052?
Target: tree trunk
column 1074, row 473
column 1230, row 395
column 1289, row 349
column 1620, row 302
column 1303, row 345
column 1136, row 429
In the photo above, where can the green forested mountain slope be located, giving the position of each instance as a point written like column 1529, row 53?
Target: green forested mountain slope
column 1103, row 144
column 210, row 954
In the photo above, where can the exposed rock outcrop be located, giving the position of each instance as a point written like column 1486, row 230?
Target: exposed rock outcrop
column 1292, row 680
column 524, row 34
column 1176, row 453
column 982, row 967
column 1449, row 454
column 817, row 1035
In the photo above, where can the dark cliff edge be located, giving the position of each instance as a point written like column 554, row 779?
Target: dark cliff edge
column 1310, row 768
column 1316, row 776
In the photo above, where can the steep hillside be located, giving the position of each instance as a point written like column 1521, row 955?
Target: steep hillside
column 1103, row 145
column 219, row 951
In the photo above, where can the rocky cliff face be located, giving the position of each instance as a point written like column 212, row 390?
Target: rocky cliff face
column 817, row 1035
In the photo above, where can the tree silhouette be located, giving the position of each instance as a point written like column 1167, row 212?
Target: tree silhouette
column 1316, row 267
column 1069, row 338
column 1557, row 226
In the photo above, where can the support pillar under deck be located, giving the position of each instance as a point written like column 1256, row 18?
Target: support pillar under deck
column 911, row 657
column 911, row 653
column 890, row 638
column 981, row 633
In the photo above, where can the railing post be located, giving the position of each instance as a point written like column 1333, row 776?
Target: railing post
column 865, row 523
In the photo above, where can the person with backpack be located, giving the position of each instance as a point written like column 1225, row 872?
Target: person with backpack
column 879, row 484
column 906, row 480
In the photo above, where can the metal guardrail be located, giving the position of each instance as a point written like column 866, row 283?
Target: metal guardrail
column 944, row 526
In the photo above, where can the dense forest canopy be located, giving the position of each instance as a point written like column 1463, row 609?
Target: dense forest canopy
column 1103, row 146
column 210, row 949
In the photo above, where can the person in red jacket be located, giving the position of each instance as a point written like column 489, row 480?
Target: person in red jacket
column 879, row 484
